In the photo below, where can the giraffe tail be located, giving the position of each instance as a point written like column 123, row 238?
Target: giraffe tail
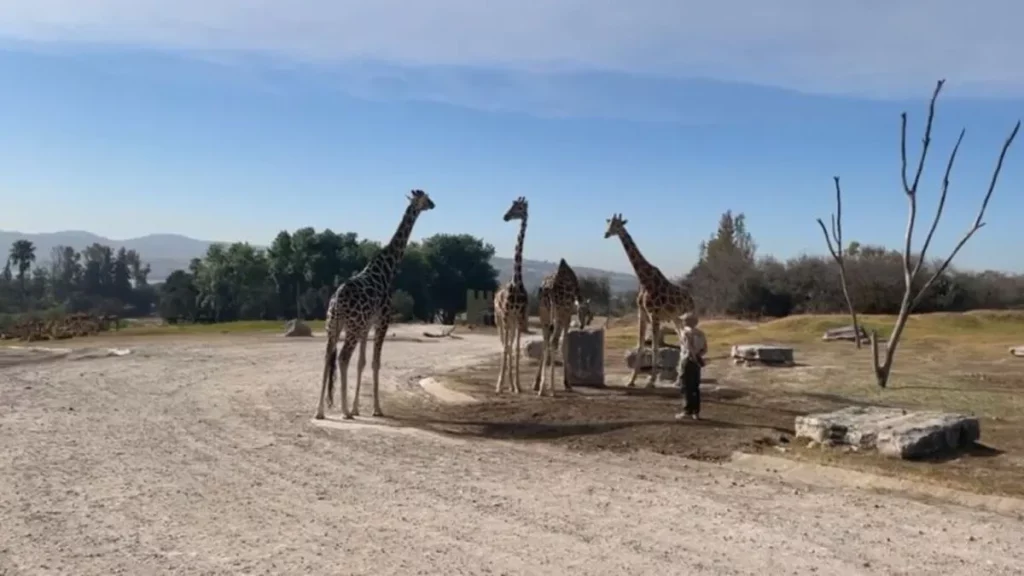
column 331, row 356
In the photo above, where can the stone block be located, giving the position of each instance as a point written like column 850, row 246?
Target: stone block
column 534, row 350
column 762, row 353
column 584, row 350
column 893, row 432
column 845, row 333
column 668, row 358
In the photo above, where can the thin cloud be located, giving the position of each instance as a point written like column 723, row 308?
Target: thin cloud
column 880, row 48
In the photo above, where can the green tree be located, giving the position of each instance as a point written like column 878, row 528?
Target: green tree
column 178, row 297
column 22, row 255
column 598, row 290
column 460, row 262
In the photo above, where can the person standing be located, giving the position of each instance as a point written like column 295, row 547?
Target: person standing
column 692, row 349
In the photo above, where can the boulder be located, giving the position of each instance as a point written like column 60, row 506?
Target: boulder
column 297, row 328
column 1017, row 351
column 535, row 349
column 762, row 354
column 893, row 432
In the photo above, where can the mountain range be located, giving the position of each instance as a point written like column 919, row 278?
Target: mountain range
column 168, row 252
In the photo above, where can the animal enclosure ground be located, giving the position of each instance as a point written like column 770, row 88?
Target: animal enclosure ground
column 951, row 362
column 197, row 454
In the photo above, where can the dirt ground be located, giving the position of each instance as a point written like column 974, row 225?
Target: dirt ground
column 959, row 365
column 198, row 455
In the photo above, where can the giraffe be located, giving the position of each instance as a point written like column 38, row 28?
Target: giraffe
column 584, row 313
column 510, row 303
column 361, row 301
column 658, row 298
column 559, row 297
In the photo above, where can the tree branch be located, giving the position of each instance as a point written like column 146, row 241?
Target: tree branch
column 978, row 221
column 839, row 256
column 942, row 204
column 911, row 189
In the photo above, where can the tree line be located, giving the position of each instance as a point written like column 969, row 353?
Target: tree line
column 97, row 279
column 731, row 279
column 297, row 274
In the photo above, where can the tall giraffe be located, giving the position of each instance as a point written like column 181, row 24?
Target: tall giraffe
column 658, row 298
column 559, row 297
column 361, row 301
column 510, row 302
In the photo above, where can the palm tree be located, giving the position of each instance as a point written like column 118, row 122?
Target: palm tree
column 22, row 255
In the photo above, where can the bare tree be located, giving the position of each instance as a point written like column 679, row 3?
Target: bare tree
column 838, row 254
column 911, row 269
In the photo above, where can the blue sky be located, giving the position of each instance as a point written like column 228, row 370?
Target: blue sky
column 232, row 119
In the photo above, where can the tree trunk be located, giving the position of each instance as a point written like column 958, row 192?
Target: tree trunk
column 883, row 370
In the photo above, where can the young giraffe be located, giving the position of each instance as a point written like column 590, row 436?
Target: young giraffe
column 510, row 303
column 559, row 297
column 360, row 301
column 658, row 298
column 584, row 313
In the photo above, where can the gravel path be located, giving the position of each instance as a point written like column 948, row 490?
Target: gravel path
column 200, row 457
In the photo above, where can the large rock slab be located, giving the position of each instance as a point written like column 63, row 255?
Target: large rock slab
column 1017, row 351
column 845, row 333
column 668, row 358
column 668, row 361
column 762, row 354
column 893, row 432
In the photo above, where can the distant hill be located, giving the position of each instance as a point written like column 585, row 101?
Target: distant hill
column 168, row 252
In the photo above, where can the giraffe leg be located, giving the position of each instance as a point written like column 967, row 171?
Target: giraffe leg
column 344, row 357
column 515, row 378
column 360, row 364
column 655, row 350
column 545, row 356
column 381, row 333
column 565, row 358
column 641, row 331
column 503, row 336
column 678, row 324
column 552, row 347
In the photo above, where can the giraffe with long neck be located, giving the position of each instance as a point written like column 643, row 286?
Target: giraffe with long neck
column 658, row 298
column 510, row 304
column 559, row 298
column 362, row 301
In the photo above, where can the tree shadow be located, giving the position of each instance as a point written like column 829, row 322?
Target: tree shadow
column 962, row 390
column 507, row 430
column 843, row 400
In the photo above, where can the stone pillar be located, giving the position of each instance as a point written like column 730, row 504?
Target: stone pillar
column 585, row 362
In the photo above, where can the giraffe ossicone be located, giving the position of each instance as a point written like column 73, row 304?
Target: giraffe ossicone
column 361, row 302
column 659, row 299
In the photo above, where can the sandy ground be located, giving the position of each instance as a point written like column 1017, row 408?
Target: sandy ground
column 200, row 457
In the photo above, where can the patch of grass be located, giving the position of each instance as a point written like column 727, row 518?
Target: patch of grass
column 241, row 327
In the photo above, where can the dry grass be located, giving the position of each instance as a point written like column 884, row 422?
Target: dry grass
column 951, row 362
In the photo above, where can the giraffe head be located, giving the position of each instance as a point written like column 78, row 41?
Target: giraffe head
column 420, row 202
column 583, row 312
column 616, row 226
column 518, row 210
